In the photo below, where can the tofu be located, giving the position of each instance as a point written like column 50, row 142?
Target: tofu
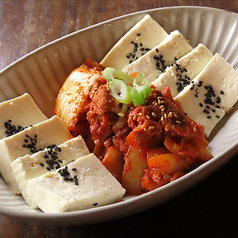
column 180, row 73
column 212, row 93
column 29, row 141
column 18, row 113
column 155, row 61
column 50, row 159
column 145, row 35
column 92, row 185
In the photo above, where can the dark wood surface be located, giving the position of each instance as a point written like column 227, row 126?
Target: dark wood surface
column 209, row 209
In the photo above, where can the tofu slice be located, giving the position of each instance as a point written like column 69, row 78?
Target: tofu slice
column 18, row 113
column 212, row 93
column 92, row 185
column 145, row 35
column 50, row 159
column 154, row 62
column 29, row 141
column 180, row 73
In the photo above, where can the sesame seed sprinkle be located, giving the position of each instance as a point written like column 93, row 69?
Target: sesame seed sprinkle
column 151, row 128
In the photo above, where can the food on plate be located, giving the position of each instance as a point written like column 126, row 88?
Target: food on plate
column 181, row 72
column 29, row 141
column 213, row 92
column 145, row 138
column 155, row 61
column 76, row 92
column 125, row 134
column 133, row 123
column 82, row 184
column 141, row 38
column 17, row 114
column 51, row 158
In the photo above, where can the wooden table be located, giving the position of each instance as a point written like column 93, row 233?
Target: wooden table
column 207, row 210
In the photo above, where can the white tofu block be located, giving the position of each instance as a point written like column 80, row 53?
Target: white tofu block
column 145, row 35
column 92, row 186
column 21, row 111
column 181, row 73
column 154, row 62
column 29, row 141
column 213, row 92
column 50, row 159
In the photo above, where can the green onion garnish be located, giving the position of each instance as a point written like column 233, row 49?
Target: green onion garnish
column 125, row 88
column 120, row 91
column 111, row 73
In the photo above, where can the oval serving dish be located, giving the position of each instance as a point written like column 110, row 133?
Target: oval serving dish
column 42, row 72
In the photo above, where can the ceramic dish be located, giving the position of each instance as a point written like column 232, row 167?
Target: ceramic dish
column 42, row 73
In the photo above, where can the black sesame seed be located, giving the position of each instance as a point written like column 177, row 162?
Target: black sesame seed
column 221, row 92
column 218, row 100
column 95, row 204
column 12, row 129
column 208, row 117
column 159, row 62
column 200, row 104
column 199, row 84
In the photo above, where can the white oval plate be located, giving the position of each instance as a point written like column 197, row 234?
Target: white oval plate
column 42, row 72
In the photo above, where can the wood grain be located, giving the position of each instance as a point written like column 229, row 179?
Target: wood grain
column 28, row 24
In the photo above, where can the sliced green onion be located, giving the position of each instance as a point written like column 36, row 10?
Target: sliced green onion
column 138, row 79
column 137, row 97
column 120, row 91
column 146, row 91
column 111, row 73
column 145, row 87
column 125, row 88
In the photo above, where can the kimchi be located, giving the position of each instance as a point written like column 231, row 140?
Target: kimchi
column 144, row 146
